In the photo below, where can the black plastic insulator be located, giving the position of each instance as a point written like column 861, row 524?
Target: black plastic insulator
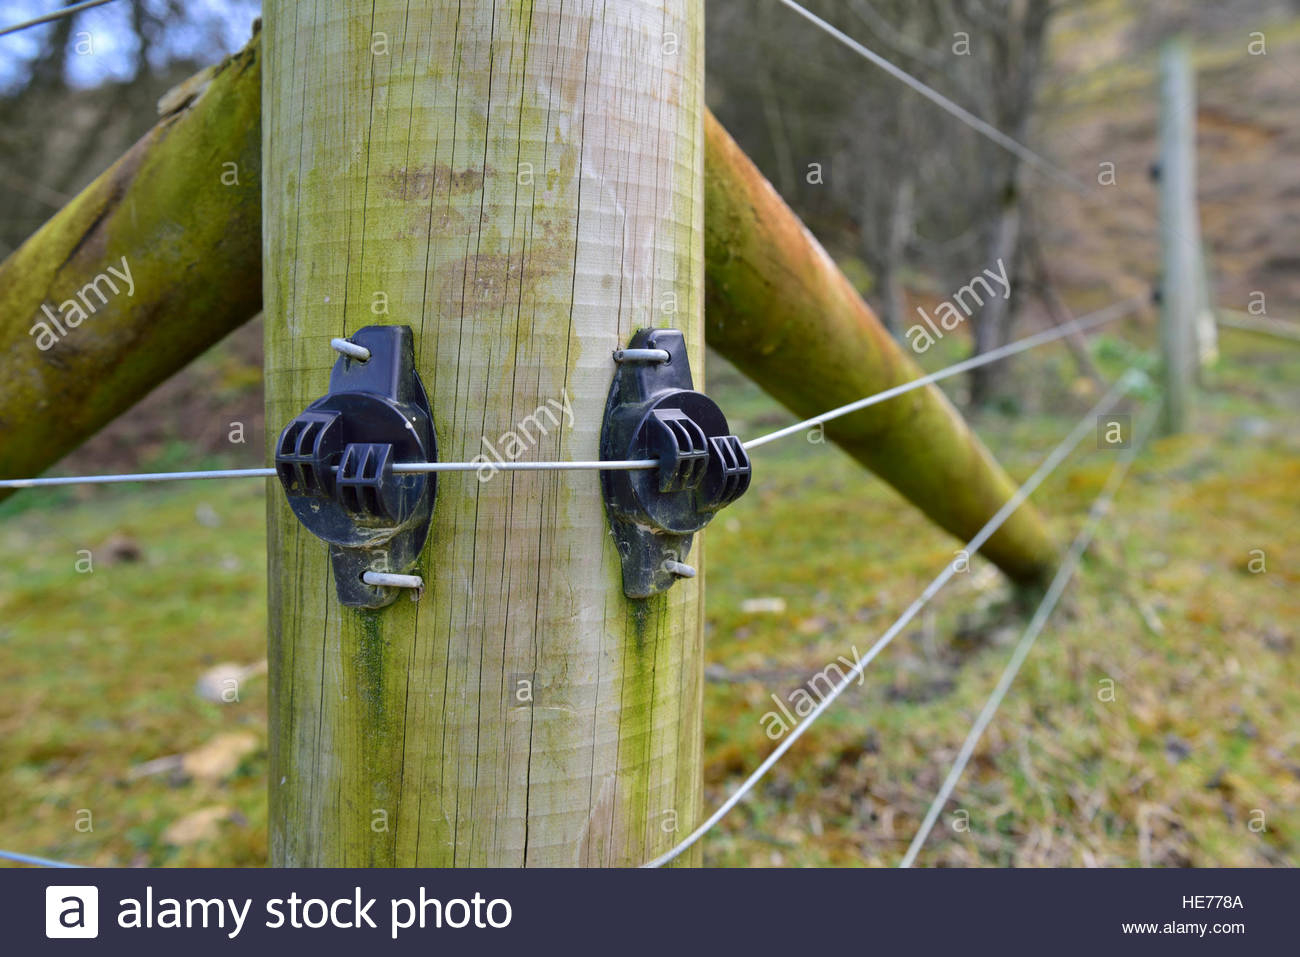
column 681, row 448
column 335, row 461
column 309, row 448
column 654, row 413
column 364, row 482
column 729, row 472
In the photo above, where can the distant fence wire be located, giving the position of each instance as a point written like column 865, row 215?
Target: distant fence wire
column 1099, row 509
column 1280, row 328
column 984, row 128
column 51, row 17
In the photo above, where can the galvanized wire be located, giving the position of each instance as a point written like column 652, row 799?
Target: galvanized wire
column 135, row 477
column 51, row 17
column 407, row 467
column 1083, row 323
column 34, row 861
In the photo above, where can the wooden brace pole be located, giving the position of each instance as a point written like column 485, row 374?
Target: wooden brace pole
column 778, row 308
column 521, row 183
column 147, row 267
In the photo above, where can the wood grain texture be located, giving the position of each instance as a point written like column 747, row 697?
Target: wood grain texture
column 399, row 139
column 779, row 308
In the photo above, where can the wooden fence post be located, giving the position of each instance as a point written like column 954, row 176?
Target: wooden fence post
column 1187, row 331
column 521, row 184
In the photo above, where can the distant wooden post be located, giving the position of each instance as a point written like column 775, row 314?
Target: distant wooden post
column 1187, row 334
column 522, row 185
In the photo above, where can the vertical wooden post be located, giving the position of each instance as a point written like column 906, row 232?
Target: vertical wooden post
column 520, row 182
column 1183, row 288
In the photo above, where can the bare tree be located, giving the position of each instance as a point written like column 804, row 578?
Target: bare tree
column 922, row 193
column 43, row 163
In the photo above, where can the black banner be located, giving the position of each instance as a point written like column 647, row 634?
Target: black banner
column 648, row 912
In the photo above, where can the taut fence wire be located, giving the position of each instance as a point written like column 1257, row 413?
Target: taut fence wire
column 1082, row 324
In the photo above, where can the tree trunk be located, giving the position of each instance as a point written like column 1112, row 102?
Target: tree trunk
column 1017, row 44
column 522, row 183
column 183, row 208
column 898, row 231
column 993, row 329
column 1044, row 287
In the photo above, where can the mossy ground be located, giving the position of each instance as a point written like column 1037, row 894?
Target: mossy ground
column 1191, row 756
column 99, row 668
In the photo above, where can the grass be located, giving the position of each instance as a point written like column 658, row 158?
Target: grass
column 1154, row 722
column 99, row 668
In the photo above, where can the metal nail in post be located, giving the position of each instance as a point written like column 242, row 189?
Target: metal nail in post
column 680, row 569
column 350, row 349
column 642, row 355
column 389, row 580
